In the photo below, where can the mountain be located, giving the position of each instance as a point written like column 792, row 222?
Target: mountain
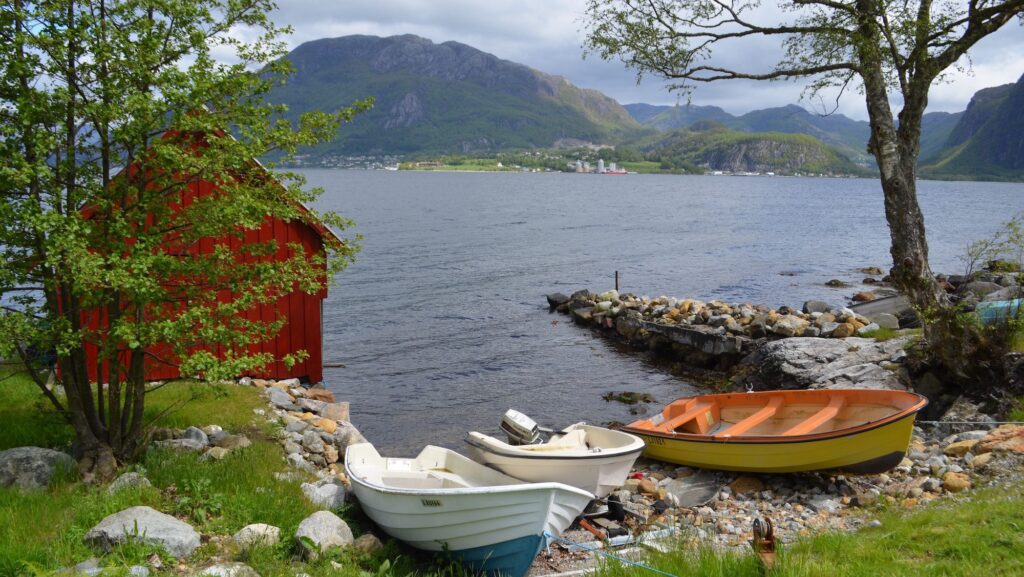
column 850, row 136
column 443, row 98
column 987, row 141
column 713, row 146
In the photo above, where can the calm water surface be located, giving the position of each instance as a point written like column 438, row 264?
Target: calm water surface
column 442, row 324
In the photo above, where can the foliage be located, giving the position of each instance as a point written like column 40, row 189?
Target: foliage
column 1002, row 252
column 109, row 111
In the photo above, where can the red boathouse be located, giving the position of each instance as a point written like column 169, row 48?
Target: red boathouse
column 302, row 312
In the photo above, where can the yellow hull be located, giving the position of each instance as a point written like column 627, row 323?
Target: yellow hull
column 866, row 451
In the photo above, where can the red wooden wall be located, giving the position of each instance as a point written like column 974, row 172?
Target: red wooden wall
column 301, row 311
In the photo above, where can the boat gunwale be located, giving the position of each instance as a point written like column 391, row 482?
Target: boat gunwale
column 910, row 412
column 518, row 487
column 617, row 452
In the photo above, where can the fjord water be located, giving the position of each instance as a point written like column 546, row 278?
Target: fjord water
column 442, row 325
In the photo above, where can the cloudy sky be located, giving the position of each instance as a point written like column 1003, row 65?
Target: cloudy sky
column 548, row 35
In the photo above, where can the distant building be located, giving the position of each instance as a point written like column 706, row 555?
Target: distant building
column 600, row 166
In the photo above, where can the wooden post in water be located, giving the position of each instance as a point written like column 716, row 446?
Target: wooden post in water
column 616, row 281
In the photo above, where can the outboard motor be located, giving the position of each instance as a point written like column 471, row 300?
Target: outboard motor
column 521, row 430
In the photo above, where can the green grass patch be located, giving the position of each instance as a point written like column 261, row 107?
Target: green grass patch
column 28, row 418
column 979, row 535
column 883, row 334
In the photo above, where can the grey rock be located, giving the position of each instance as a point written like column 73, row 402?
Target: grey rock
column 824, row 504
column 196, row 434
column 790, row 326
column 816, row 307
column 296, row 426
column 291, row 447
column 312, row 442
column 557, row 299
column 828, row 327
column 345, row 435
column 825, row 363
column 885, row 320
column 227, row 570
column 980, row 288
column 290, row 383
column 325, row 494
column 961, row 411
column 215, row 454
column 336, row 411
column 280, row 399
column 233, row 442
column 1004, row 294
column 147, row 525
column 368, row 543
column 321, row 531
column 257, row 534
column 128, row 480
column 138, row 571
column 311, row 405
column 298, row 461
column 693, row 491
column 32, row 467
column 867, row 329
column 180, row 445
column 931, row 485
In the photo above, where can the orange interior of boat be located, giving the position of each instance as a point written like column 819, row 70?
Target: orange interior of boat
column 778, row 413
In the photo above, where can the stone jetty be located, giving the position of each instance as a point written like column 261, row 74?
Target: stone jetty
column 711, row 334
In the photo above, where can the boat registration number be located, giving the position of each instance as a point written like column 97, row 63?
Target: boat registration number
column 654, row 440
column 430, row 502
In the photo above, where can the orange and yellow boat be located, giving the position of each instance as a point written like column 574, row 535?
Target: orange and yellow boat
column 854, row 430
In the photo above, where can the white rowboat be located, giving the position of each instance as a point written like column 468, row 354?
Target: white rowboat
column 442, row 501
column 591, row 458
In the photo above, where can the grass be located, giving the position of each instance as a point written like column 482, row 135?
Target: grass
column 976, row 536
column 42, row 531
column 883, row 334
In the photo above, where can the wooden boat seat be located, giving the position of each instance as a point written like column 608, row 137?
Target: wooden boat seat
column 826, row 414
column 698, row 414
column 760, row 416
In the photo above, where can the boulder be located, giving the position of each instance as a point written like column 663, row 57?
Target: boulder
column 180, row 445
column 816, row 307
column 956, row 482
column 335, row 411
column 867, row 330
column 32, row 467
column 556, row 300
column 863, row 297
column 322, row 395
column 964, row 411
column 215, row 454
column 311, row 405
column 321, row 531
column 346, row 435
column 960, row 448
column 257, row 534
column 227, row 570
column 980, row 288
column 842, row 331
column 280, row 399
column 233, row 442
column 368, row 543
column 327, row 425
column 196, row 434
column 128, row 480
column 326, row 494
column 312, row 442
column 148, row 526
column 825, row 363
column 790, row 326
column 885, row 321
column 1005, row 439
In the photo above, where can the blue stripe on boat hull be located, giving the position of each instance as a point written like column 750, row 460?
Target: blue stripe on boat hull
column 508, row 559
